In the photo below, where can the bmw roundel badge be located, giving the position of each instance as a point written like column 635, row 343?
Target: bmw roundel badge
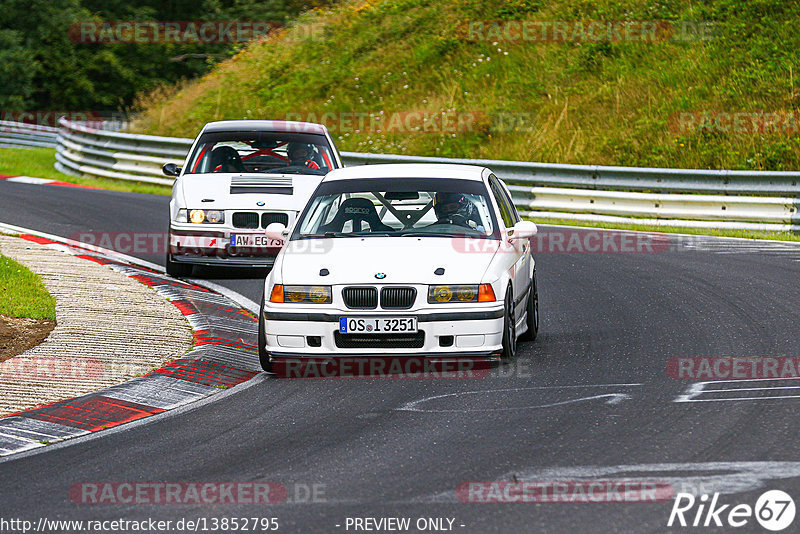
column 260, row 203
column 380, row 276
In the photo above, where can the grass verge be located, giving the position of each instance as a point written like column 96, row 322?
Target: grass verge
column 363, row 66
column 22, row 292
column 716, row 232
column 38, row 162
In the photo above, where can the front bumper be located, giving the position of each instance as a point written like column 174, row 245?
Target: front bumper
column 224, row 261
column 214, row 248
column 446, row 333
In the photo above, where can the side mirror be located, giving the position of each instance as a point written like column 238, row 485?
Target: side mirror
column 523, row 230
column 171, row 169
column 276, row 230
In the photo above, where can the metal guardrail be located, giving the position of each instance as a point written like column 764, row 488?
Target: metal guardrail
column 746, row 200
column 24, row 135
column 27, row 135
column 605, row 178
column 750, row 200
column 83, row 150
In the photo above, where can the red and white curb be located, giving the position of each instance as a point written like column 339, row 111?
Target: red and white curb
column 223, row 356
column 42, row 181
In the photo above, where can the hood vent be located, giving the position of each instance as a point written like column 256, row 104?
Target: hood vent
column 273, row 185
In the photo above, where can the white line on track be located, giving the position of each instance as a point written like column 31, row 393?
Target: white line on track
column 697, row 389
column 614, row 398
column 697, row 479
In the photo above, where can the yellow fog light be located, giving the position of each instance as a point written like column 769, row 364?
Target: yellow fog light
column 466, row 293
column 197, row 216
column 445, row 294
column 294, row 296
column 319, row 294
column 442, row 293
column 314, row 294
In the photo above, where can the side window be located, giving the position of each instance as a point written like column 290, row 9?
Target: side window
column 511, row 207
column 499, row 196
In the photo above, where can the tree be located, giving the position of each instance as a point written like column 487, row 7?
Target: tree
column 15, row 71
column 45, row 67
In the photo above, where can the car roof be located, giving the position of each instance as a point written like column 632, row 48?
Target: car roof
column 265, row 125
column 407, row 170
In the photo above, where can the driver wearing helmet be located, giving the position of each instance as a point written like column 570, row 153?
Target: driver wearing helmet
column 455, row 208
column 301, row 155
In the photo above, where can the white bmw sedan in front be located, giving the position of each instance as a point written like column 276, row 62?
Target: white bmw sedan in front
column 412, row 260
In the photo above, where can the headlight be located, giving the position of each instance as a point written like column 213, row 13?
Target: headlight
column 460, row 293
column 301, row 294
column 207, row 216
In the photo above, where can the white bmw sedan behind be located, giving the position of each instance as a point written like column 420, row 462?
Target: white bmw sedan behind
column 422, row 260
column 239, row 177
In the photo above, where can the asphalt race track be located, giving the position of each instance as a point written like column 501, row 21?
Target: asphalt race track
column 590, row 399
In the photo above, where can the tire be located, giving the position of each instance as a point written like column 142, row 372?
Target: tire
column 177, row 270
column 532, row 315
column 263, row 355
column 509, row 328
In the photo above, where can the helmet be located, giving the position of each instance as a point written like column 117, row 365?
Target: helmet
column 448, row 205
column 299, row 152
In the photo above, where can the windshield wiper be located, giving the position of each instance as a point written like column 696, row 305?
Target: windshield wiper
column 429, row 234
column 326, row 234
column 295, row 170
column 318, row 236
column 344, row 234
column 358, row 234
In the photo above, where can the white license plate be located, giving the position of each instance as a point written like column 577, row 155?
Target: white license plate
column 378, row 325
column 255, row 241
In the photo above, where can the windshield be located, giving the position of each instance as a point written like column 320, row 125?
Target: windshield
column 398, row 207
column 262, row 152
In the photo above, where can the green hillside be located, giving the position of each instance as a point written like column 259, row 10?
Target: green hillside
column 554, row 97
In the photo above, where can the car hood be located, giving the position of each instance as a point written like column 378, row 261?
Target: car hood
column 404, row 260
column 243, row 191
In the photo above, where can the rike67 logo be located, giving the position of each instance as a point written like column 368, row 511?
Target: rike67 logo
column 774, row 510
